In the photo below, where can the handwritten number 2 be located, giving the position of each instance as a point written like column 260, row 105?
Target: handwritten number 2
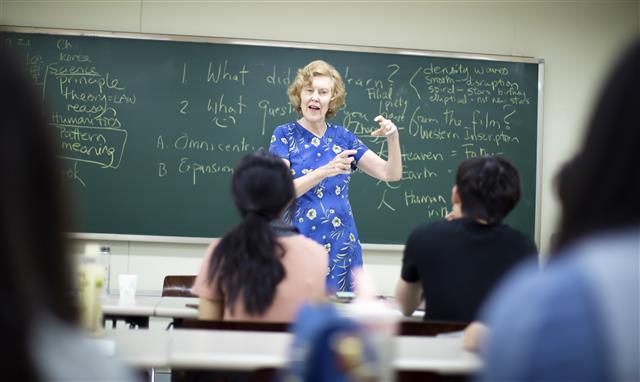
column 395, row 68
column 184, row 103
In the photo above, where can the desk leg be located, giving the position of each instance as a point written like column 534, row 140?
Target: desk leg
column 141, row 322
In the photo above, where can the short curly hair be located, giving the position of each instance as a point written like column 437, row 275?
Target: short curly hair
column 304, row 77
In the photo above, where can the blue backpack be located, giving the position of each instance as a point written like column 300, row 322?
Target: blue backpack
column 328, row 348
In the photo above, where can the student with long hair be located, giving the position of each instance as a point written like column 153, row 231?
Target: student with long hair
column 261, row 270
column 39, row 341
column 579, row 318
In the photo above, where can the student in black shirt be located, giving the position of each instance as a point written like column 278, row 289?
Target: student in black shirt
column 454, row 264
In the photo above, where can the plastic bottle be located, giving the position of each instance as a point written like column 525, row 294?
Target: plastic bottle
column 105, row 260
column 90, row 284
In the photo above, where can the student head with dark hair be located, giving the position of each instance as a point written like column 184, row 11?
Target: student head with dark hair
column 36, row 287
column 36, row 273
column 487, row 188
column 261, row 188
column 580, row 316
column 455, row 263
column 599, row 188
column 261, row 269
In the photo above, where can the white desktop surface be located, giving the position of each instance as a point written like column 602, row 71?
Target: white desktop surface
column 440, row 354
column 141, row 306
column 183, row 307
column 228, row 349
column 141, row 348
column 177, row 307
column 248, row 350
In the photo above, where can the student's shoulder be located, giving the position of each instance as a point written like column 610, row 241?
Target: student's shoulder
column 62, row 353
column 532, row 312
column 426, row 231
column 518, row 236
column 528, row 285
column 304, row 253
column 303, row 244
column 437, row 226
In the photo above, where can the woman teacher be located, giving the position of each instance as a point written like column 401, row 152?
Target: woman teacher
column 321, row 156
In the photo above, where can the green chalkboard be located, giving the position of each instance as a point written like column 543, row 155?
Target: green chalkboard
column 150, row 128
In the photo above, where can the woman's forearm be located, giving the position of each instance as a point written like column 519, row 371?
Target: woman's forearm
column 307, row 182
column 394, row 161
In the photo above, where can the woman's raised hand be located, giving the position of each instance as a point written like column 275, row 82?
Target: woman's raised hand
column 340, row 164
column 387, row 128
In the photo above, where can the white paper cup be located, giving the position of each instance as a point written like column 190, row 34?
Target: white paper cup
column 127, row 285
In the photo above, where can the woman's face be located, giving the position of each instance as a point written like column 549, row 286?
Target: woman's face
column 314, row 99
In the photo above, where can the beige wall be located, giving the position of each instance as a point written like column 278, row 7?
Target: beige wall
column 577, row 40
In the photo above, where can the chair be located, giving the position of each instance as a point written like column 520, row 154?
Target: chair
column 178, row 286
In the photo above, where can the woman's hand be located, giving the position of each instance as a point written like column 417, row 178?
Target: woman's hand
column 340, row 164
column 389, row 170
column 387, row 128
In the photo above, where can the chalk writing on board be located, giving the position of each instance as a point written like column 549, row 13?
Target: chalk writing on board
column 279, row 77
column 195, row 170
column 221, row 72
column 86, row 117
column 178, row 117
column 225, row 113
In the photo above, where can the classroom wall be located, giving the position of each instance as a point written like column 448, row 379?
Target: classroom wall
column 577, row 40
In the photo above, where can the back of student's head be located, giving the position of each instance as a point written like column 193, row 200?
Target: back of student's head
column 36, row 274
column 261, row 185
column 599, row 188
column 246, row 261
column 489, row 188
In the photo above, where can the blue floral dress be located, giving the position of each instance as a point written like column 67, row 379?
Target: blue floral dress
column 323, row 213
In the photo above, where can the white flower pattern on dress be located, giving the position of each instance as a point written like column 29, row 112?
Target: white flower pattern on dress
column 311, row 214
column 331, row 223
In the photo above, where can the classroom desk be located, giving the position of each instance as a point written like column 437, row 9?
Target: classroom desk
column 144, row 349
column 228, row 349
column 443, row 355
column 135, row 313
column 186, row 307
column 138, row 312
column 177, row 307
column 248, row 350
column 147, row 306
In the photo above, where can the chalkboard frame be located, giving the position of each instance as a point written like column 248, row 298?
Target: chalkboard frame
column 301, row 45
